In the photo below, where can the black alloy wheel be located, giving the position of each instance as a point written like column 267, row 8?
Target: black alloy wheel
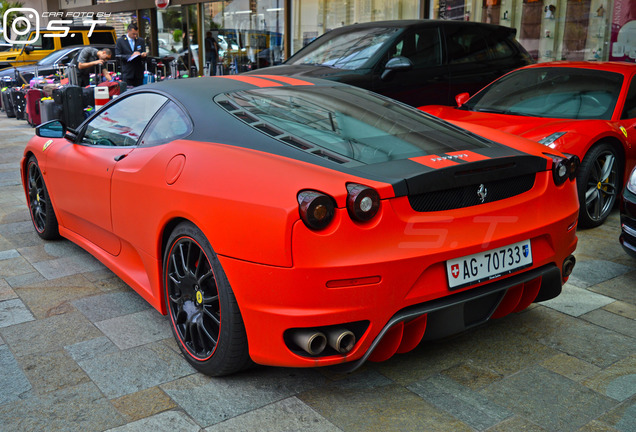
column 40, row 208
column 202, row 309
column 598, row 183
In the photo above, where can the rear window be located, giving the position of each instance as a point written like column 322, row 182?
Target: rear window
column 346, row 124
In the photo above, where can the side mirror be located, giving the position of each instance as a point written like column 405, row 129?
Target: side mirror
column 396, row 64
column 51, row 129
column 28, row 49
column 461, row 99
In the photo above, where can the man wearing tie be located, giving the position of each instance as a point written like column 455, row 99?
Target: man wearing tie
column 131, row 49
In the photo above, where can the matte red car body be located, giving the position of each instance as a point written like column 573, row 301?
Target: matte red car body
column 581, row 134
column 283, row 274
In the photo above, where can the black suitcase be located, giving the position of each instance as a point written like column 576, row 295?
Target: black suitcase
column 7, row 104
column 18, row 98
column 70, row 99
column 88, row 96
column 49, row 110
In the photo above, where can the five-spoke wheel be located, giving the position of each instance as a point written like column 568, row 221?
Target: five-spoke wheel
column 40, row 208
column 202, row 309
column 598, row 183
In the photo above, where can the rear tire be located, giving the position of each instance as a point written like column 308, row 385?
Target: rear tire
column 40, row 207
column 598, row 182
column 203, row 311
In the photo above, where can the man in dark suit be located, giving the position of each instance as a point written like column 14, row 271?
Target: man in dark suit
column 131, row 49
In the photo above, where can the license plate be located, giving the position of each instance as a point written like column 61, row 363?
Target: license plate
column 491, row 264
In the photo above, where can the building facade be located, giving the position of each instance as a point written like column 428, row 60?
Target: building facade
column 256, row 33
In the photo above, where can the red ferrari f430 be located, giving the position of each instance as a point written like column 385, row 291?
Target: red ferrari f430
column 304, row 223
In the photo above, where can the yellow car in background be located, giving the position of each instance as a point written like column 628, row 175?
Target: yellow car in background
column 25, row 54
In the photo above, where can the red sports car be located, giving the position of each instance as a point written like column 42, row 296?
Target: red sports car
column 303, row 222
column 583, row 108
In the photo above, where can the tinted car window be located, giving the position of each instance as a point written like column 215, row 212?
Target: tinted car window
column 170, row 124
column 50, row 59
column 101, row 38
column 122, row 123
column 552, row 92
column 423, row 47
column 629, row 110
column 467, row 44
column 348, row 122
column 345, row 51
column 72, row 38
column 42, row 43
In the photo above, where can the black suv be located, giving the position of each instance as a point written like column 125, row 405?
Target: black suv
column 415, row 61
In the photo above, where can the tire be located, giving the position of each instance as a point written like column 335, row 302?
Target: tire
column 598, row 183
column 39, row 201
column 203, row 312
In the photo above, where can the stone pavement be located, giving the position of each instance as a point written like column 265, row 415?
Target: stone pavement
column 80, row 350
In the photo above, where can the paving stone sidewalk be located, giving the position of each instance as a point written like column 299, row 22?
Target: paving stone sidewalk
column 80, row 350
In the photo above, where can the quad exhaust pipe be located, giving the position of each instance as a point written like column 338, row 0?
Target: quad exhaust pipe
column 568, row 266
column 342, row 340
column 314, row 342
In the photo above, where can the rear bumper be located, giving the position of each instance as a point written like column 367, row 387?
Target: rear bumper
column 379, row 273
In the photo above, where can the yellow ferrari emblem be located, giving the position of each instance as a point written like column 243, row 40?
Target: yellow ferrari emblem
column 199, row 297
column 47, row 144
column 624, row 131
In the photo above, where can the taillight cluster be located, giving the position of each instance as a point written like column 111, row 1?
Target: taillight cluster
column 564, row 168
column 318, row 209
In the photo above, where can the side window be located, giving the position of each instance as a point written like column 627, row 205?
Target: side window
column 629, row 110
column 72, row 38
column 422, row 47
column 66, row 59
column 170, row 124
column 102, row 38
column 43, row 43
column 123, row 123
column 466, row 44
column 500, row 44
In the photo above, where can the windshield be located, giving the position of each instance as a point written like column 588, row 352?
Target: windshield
column 552, row 92
column 344, row 51
column 346, row 121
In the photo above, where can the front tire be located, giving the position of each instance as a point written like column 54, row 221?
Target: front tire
column 40, row 207
column 203, row 311
column 598, row 182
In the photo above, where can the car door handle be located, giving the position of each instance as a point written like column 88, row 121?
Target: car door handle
column 120, row 157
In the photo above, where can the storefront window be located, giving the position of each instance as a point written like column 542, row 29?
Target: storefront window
column 249, row 33
column 312, row 18
column 120, row 21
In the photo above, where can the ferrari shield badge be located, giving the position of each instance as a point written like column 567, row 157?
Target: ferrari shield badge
column 624, row 131
column 47, row 144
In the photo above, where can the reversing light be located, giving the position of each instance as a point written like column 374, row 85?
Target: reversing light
column 316, row 209
column 550, row 139
column 363, row 202
column 564, row 168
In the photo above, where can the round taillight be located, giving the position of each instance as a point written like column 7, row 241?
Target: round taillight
column 564, row 168
column 316, row 209
column 363, row 202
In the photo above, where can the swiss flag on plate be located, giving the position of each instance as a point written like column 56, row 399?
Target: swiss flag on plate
column 455, row 270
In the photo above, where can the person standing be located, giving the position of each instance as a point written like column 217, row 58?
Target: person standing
column 88, row 58
column 131, row 49
column 211, row 52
